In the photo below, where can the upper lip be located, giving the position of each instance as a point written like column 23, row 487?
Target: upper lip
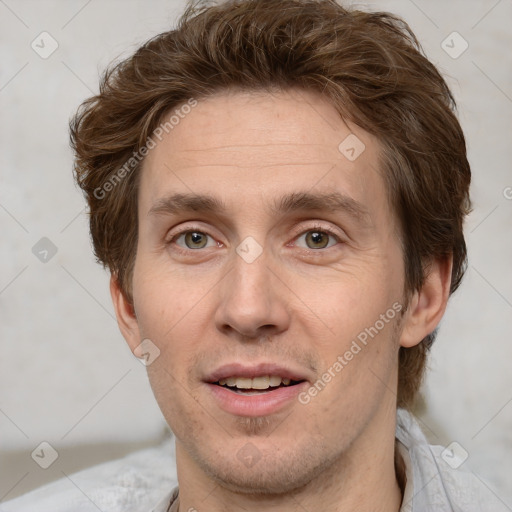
column 252, row 371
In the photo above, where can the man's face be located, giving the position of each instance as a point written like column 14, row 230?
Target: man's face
column 277, row 283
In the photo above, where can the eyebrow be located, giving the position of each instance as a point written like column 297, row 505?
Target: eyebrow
column 179, row 203
column 334, row 201
column 288, row 203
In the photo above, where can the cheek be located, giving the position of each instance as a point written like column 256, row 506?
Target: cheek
column 175, row 313
column 358, row 373
column 178, row 404
column 355, row 339
column 166, row 300
column 344, row 302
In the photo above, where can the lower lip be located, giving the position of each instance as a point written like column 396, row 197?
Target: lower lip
column 255, row 405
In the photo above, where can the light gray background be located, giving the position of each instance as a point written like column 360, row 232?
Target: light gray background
column 67, row 376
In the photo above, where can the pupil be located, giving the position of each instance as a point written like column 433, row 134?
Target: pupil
column 197, row 240
column 317, row 238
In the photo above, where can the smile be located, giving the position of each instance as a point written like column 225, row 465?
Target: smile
column 255, row 389
column 256, row 385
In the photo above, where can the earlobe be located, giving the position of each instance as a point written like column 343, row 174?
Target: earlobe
column 125, row 314
column 427, row 306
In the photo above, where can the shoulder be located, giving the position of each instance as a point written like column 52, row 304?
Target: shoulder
column 133, row 483
column 439, row 478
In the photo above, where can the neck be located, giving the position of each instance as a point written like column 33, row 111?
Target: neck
column 365, row 478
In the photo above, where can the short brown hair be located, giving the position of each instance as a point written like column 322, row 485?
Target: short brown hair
column 369, row 65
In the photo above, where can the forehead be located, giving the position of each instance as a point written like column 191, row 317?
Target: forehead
column 247, row 145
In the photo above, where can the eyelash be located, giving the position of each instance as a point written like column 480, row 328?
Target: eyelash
column 316, row 228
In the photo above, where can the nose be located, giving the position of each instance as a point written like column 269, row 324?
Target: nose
column 252, row 301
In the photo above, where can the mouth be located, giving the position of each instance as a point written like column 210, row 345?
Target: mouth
column 257, row 385
column 257, row 390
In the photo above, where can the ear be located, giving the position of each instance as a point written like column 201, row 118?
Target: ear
column 126, row 319
column 427, row 306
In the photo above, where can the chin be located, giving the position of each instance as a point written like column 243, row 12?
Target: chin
column 266, row 482
column 274, row 474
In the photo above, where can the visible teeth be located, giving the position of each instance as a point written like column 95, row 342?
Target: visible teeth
column 263, row 382
column 275, row 381
column 243, row 383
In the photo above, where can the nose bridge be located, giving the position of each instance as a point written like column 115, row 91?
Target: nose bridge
column 249, row 298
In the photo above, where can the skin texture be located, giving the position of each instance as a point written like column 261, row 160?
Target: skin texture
column 297, row 304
